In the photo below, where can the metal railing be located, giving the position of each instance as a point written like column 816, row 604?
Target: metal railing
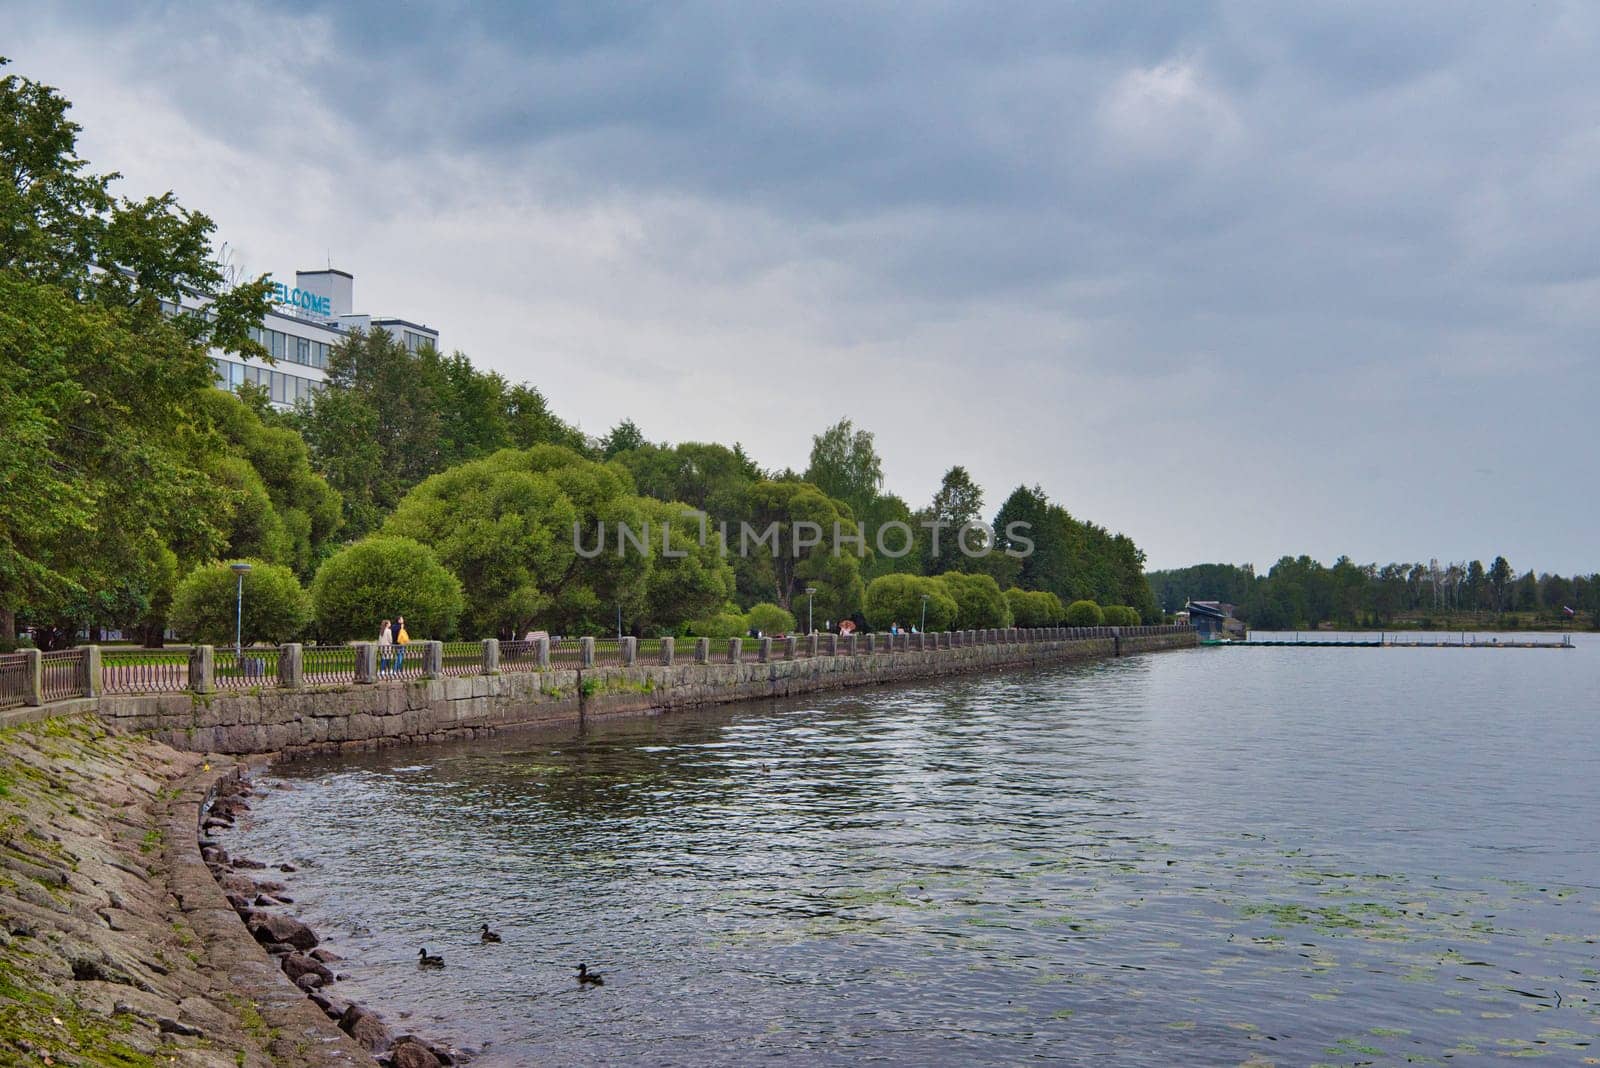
column 463, row 658
column 400, row 661
column 64, row 674
column 249, row 670
column 143, row 671
column 14, row 682
column 326, row 664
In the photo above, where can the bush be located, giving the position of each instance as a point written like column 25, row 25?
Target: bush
column 979, row 602
column 276, row 608
column 1084, row 614
column 727, row 624
column 898, row 598
column 769, row 619
column 1119, row 615
column 382, row 577
column 1034, row 608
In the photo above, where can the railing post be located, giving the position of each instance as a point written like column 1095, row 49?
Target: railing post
column 541, row 653
column 432, row 659
column 630, row 651
column 669, row 649
column 735, row 647
column 586, row 652
column 93, row 683
column 491, row 656
column 872, row 644
column 850, row 644
column 291, row 666
column 702, row 650
column 366, row 661
column 202, row 669
column 33, row 681
column 813, row 641
column 764, row 650
column 830, row 645
column 791, row 647
column 919, row 641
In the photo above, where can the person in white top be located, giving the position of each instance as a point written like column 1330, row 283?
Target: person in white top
column 385, row 649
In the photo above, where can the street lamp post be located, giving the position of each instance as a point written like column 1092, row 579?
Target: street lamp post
column 810, row 623
column 924, row 628
column 240, row 569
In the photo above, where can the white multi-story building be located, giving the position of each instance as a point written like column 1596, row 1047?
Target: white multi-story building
column 307, row 320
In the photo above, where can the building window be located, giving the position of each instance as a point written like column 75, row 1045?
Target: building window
column 302, row 350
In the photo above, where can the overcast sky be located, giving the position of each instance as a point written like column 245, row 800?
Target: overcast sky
column 1239, row 279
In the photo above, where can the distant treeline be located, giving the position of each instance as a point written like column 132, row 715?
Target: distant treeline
column 1301, row 592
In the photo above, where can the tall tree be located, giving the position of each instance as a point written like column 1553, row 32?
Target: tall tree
column 845, row 465
column 1500, row 576
column 101, row 461
column 957, row 502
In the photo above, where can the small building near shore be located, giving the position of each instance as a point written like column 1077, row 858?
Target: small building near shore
column 1214, row 620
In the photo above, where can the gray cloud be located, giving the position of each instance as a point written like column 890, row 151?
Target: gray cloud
column 1352, row 247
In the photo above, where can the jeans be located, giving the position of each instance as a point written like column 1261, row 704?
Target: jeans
column 399, row 659
column 385, row 658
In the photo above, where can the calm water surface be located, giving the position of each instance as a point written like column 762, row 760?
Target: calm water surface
column 1201, row 857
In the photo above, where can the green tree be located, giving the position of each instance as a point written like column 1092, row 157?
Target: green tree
column 979, row 602
column 684, row 577
column 793, row 524
column 284, row 511
column 204, row 606
column 509, row 527
column 957, row 503
column 845, row 465
column 770, row 619
column 900, row 599
column 1083, row 614
column 381, row 578
column 102, row 466
column 624, row 437
column 1500, row 576
column 1120, row 615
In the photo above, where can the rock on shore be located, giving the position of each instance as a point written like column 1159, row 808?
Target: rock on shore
column 98, row 964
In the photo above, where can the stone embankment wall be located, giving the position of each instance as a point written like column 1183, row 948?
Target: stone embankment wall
column 366, row 715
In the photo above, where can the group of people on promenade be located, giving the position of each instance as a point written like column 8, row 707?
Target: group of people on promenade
column 392, row 642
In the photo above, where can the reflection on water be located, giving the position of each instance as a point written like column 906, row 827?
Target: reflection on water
column 1198, row 857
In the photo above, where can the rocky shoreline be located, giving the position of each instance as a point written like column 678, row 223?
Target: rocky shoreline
column 260, row 902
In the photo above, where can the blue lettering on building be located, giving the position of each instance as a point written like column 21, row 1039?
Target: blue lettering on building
column 302, row 299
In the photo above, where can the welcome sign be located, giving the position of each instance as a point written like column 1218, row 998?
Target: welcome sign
column 303, row 299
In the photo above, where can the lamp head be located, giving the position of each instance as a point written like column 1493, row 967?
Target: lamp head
column 239, row 568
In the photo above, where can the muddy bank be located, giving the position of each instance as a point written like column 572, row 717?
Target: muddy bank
column 106, row 956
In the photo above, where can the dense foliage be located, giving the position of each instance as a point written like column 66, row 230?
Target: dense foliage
column 979, row 603
column 1083, row 614
column 206, row 604
column 769, row 619
column 903, row 599
column 381, row 578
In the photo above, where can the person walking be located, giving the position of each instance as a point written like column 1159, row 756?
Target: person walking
column 401, row 640
column 385, row 648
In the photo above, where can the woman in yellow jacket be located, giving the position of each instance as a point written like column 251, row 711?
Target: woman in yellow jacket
column 401, row 640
